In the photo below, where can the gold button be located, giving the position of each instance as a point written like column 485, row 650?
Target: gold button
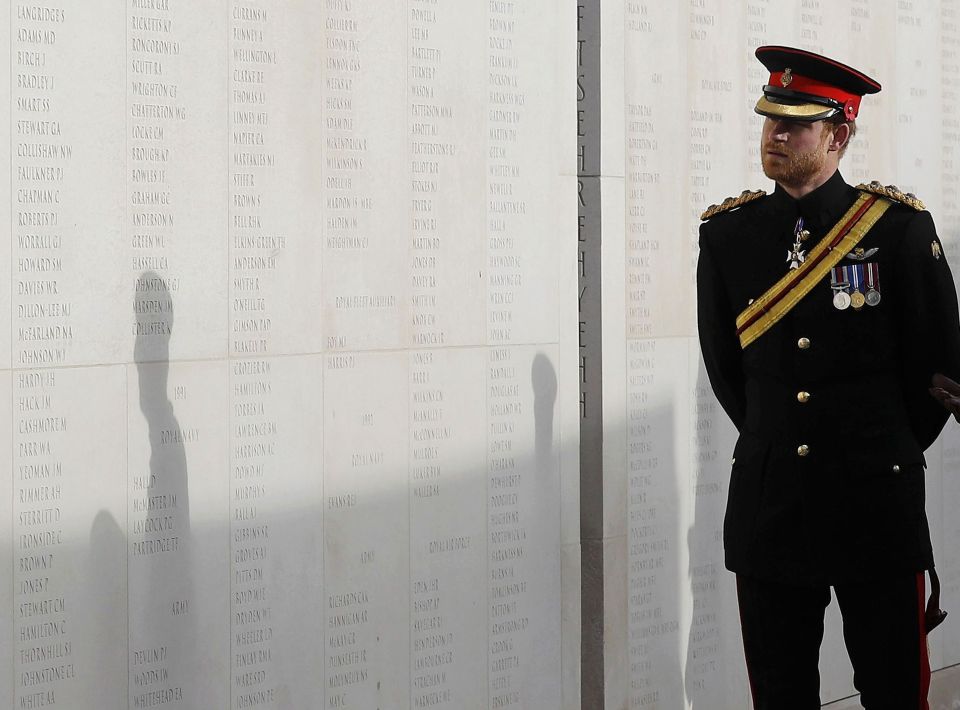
column 896, row 468
column 803, row 397
column 803, row 450
column 803, row 343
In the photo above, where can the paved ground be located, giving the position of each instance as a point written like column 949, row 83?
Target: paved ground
column 944, row 693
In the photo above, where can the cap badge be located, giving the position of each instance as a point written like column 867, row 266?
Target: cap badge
column 786, row 78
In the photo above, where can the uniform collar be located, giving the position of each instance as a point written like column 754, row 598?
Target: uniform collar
column 822, row 207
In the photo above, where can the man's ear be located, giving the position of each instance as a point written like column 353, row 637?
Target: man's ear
column 841, row 134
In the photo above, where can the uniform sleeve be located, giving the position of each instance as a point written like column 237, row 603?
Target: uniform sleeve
column 716, row 323
column 928, row 322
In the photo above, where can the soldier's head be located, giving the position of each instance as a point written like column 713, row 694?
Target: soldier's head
column 810, row 104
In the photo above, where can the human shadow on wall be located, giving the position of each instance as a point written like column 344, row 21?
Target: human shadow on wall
column 189, row 659
column 543, row 379
column 160, row 561
column 654, row 573
column 545, row 507
column 651, row 631
column 106, row 603
column 546, row 484
column 715, row 675
column 168, row 462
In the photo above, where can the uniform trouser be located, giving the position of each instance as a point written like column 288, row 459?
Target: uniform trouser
column 882, row 628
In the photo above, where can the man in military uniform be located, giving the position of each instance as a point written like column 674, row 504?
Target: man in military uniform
column 824, row 312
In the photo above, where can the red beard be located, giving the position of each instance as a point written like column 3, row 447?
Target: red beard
column 793, row 168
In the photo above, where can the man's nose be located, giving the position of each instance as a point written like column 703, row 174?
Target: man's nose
column 780, row 132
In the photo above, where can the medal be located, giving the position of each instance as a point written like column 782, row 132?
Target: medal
column 857, row 299
column 839, row 283
column 873, row 284
column 796, row 255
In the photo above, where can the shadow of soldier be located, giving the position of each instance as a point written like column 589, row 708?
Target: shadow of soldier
column 162, row 644
column 715, row 674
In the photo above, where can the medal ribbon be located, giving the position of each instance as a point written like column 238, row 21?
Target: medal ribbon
column 838, row 278
column 873, row 277
column 856, row 276
column 761, row 315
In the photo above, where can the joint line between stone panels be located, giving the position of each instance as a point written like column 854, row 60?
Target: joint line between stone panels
column 126, row 524
column 126, row 370
column 13, row 584
column 323, row 515
column 486, row 517
column 318, row 57
column 226, row 236
column 406, row 101
column 229, row 353
column 486, row 408
column 229, row 674
column 10, row 246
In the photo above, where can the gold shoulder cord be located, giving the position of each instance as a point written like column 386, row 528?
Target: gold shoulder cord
column 732, row 203
column 892, row 192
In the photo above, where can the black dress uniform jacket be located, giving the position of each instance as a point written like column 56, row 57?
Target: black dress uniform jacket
column 852, row 507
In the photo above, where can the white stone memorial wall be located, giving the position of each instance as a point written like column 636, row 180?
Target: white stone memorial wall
column 288, row 352
column 290, row 348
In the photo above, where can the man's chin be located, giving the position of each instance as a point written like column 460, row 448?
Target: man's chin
column 788, row 174
column 777, row 173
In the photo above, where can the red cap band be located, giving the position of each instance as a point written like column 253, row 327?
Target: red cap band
column 806, row 85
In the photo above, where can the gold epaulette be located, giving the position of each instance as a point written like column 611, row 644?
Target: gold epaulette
column 732, row 203
column 893, row 192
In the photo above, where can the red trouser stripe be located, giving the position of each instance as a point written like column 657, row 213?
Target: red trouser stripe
column 922, row 628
